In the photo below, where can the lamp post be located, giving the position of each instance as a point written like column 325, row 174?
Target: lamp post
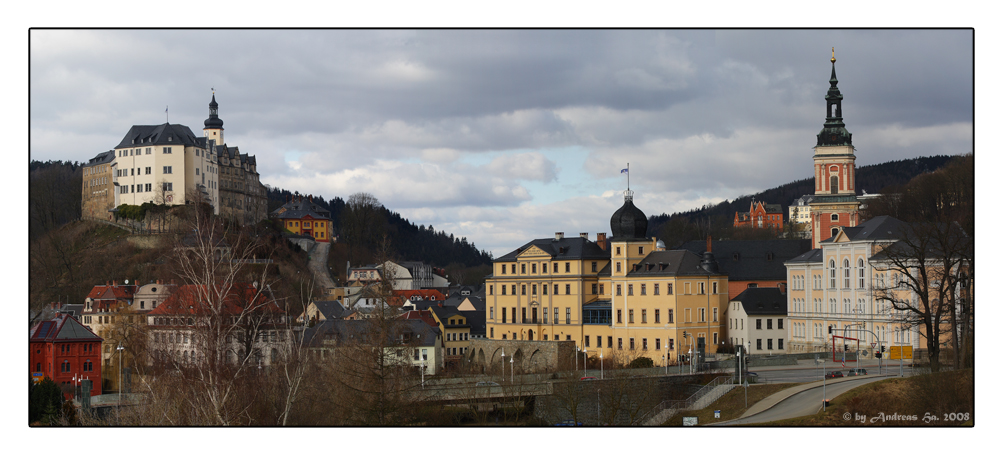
column 585, row 361
column 576, row 360
column 503, row 371
column 120, row 349
column 602, row 368
column 512, row 369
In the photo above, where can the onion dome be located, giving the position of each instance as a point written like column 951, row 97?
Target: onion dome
column 213, row 121
column 628, row 222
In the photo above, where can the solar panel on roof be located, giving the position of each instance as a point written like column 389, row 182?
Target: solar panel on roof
column 43, row 329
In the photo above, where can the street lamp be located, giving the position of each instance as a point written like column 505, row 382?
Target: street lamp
column 512, row 369
column 585, row 361
column 602, row 367
column 503, row 371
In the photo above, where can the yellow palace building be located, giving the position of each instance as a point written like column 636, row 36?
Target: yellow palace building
column 625, row 297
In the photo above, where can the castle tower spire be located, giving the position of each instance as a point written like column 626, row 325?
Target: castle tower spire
column 213, row 125
column 834, row 132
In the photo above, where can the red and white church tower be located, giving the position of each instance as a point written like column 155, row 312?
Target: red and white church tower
column 835, row 205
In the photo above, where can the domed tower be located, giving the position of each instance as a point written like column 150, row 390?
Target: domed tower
column 213, row 125
column 629, row 244
column 835, row 205
column 628, row 222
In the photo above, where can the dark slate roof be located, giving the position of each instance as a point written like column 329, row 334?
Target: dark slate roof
column 300, row 208
column 804, row 200
column 876, row 228
column 629, row 222
column 477, row 322
column 339, row 330
column 671, row 263
column 815, row 255
column 165, row 134
column 62, row 327
column 753, row 259
column 102, row 158
column 329, row 309
column 568, row 248
column 444, row 312
column 763, row 301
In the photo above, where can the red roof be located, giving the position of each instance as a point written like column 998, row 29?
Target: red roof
column 420, row 315
column 109, row 292
column 192, row 299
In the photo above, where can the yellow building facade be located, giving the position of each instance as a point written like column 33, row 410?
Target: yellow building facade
column 620, row 298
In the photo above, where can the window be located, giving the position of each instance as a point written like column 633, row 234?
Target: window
column 642, row 289
column 555, row 289
column 600, row 288
column 769, row 345
column 656, row 316
column 656, row 289
column 555, row 315
column 491, row 292
column 781, row 323
column 503, row 269
column 491, row 313
column 586, row 341
column 167, row 187
column 593, row 289
column 618, row 250
column 630, row 290
column 833, row 274
column 701, row 314
column 619, row 313
column 670, row 315
column 847, row 273
column 758, row 323
column 503, row 315
column 715, row 338
column 618, row 267
column 715, row 314
column 567, row 289
column 715, row 288
column 701, row 288
column 545, row 267
column 644, row 339
column 670, row 289
column 781, row 344
column 503, row 289
column 534, row 268
column 644, row 316
column 567, row 319
column 593, row 267
column 524, row 289
column 545, row 315
column 619, row 343
column 631, row 319
column 168, row 169
column 166, row 150
column 768, row 323
column 149, row 170
column 618, row 289
column 657, row 343
column 861, row 273
column 759, row 342
column 524, row 269
column 631, row 343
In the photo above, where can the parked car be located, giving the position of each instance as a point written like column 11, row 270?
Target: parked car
column 487, row 383
column 835, row 374
column 588, row 378
column 854, row 372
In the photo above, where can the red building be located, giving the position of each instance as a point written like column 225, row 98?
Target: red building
column 65, row 351
column 761, row 216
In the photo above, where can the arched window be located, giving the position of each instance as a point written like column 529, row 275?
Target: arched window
column 847, row 273
column 861, row 273
column 833, row 274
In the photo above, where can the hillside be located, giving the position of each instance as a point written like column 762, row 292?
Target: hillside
column 718, row 219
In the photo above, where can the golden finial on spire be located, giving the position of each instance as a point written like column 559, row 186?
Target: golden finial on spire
column 833, row 58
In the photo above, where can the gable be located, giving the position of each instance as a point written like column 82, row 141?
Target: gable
column 466, row 306
column 534, row 251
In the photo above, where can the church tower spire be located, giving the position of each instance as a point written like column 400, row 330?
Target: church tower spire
column 835, row 204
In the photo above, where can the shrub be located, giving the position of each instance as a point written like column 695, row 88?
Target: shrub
column 640, row 363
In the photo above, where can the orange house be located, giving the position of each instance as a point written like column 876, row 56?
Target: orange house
column 761, row 216
column 303, row 217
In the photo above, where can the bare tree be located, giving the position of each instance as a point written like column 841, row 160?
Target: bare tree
column 363, row 223
column 927, row 265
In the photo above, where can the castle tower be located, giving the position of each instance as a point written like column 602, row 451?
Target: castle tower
column 835, row 205
column 213, row 125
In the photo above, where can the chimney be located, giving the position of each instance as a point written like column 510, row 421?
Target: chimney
column 559, row 236
column 584, row 235
column 708, row 244
column 602, row 240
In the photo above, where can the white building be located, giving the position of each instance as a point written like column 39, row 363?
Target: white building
column 757, row 321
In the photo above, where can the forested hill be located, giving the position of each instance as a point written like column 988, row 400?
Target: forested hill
column 406, row 240
column 870, row 178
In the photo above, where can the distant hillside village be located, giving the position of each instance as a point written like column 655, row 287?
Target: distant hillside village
column 842, row 286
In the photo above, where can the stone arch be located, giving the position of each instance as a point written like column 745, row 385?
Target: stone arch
column 481, row 357
column 531, row 334
column 519, row 360
column 533, row 360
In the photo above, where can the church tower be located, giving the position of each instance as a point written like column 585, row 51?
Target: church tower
column 213, row 125
column 835, row 205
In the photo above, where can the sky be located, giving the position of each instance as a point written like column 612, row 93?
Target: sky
column 507, row 135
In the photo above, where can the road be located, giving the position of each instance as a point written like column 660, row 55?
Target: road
column 805, row 403
column 317, row 264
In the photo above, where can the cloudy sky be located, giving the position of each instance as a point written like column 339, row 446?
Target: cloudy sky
column 503, row 136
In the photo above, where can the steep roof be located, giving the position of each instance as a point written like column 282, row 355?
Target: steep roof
column 421, row 334
column 300, row 208
column 763, row 301
column 876, row 228
column 571, row 248
column 753, row 259
column 671, row 263
column 189, row 300
column 62, row 327
column 329, row 309
column 165, row 134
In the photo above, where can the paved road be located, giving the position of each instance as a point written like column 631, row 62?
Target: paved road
column 317, row 264
column 806, row 402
